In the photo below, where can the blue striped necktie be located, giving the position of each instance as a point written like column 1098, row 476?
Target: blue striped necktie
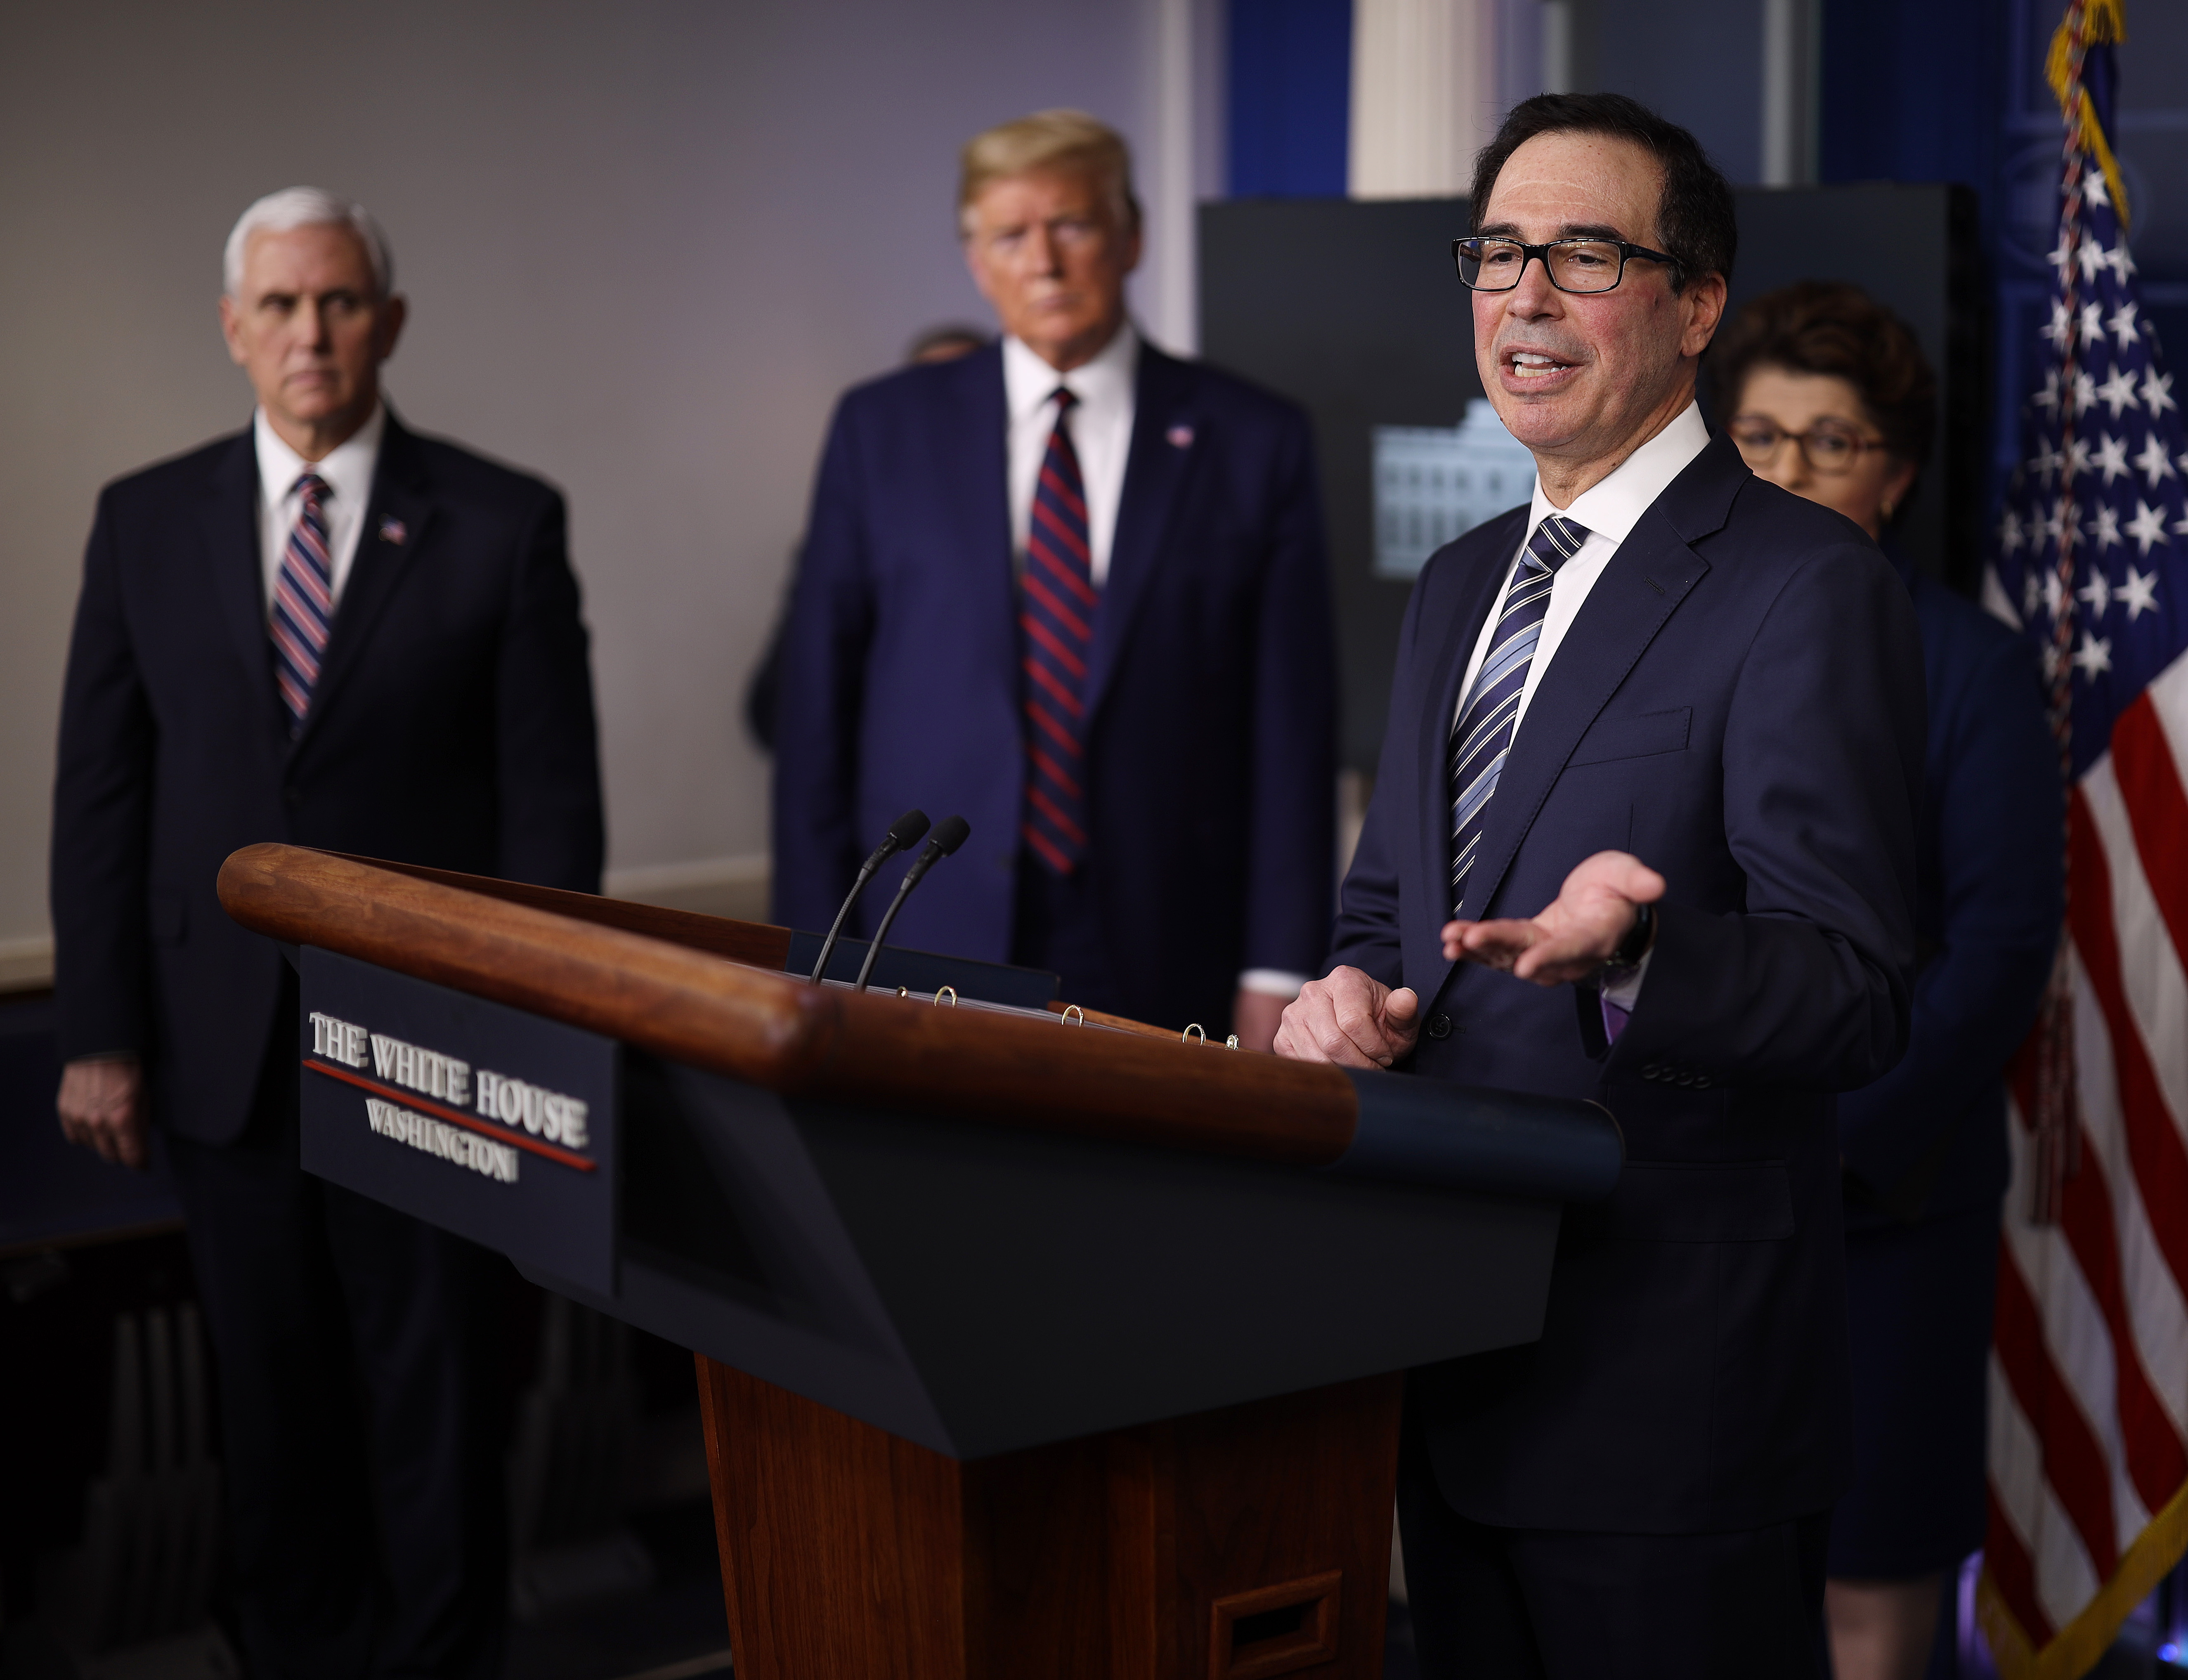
column 303, row 603
column 1055, row 618
column 1483, row 740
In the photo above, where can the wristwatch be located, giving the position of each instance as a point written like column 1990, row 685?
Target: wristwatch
column 1635, row 945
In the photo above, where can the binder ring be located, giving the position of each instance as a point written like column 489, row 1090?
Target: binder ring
column 1231, row 1043
column 1195, row 1034
column 1073, row 1015
column 950, row 992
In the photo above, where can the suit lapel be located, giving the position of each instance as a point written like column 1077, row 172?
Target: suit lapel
column 395, row 523
column 229, row 522
column 1652, row 572
column 1154, row 468
column 979, row 502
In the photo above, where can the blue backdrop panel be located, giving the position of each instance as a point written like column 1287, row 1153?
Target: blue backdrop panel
column 1290, row 97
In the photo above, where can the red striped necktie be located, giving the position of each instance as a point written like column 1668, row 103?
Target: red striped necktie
column 1057, row 602
column 303, row 603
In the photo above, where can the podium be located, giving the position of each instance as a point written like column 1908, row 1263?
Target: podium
column 1029, row 1343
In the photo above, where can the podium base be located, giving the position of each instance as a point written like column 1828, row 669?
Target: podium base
column 1239, row 1544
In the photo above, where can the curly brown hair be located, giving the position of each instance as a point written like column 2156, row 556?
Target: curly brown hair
column 1828, row 327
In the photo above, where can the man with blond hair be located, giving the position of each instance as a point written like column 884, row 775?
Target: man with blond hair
column 1074, row 589
column 328, row 630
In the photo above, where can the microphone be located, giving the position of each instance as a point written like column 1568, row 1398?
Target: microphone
column 904, row 833
column 948, row 835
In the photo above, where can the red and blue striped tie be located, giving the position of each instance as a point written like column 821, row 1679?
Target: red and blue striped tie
column 303, row 603
column 1055, row 618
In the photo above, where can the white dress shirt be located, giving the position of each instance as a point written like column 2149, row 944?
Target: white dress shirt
column 347, row 470
column 1100, row 427
column 1609, row 510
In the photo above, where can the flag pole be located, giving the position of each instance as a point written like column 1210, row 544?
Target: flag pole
column 2056, row 1121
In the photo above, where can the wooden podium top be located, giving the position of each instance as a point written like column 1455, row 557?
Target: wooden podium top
column 709, row 994
column 713, row 1006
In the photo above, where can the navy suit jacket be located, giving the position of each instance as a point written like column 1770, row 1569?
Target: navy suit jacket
column 1740, row 703
column 452, row 725
column 1928, row 1139
column 1210, row 692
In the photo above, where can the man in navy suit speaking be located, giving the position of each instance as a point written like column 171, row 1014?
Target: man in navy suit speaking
column 1643, row 832
column 328, row 630
column 1075, row 589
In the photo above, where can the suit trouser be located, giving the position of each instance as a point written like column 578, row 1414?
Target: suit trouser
column 1057, row 926
column 1507, row 1604
column 358, row 1358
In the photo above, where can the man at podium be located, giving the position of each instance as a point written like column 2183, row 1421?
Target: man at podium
column 1643, row 832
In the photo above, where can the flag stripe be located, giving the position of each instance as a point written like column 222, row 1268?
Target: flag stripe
column 2033, row 1515
column 2006, row 1559
column 2074, row 1465
column 2151, row 978
column 2158, row 811
column 2168, row 697
column 2153, row 1141
column 2155, row 1301
column 2089, row 1329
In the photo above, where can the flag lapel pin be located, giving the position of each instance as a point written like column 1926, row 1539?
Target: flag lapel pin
column 394, row 531
column 1181, row 437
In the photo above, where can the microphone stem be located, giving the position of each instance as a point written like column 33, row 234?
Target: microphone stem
column 874, row 950
column 836, row 930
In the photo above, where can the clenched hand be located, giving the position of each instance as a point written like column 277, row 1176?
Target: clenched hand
column 102, row 1106
column 1350, row 1020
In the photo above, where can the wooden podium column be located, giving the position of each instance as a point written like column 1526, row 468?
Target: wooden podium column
column 1231, row 1545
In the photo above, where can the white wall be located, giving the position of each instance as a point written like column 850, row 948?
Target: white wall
column 646, row 245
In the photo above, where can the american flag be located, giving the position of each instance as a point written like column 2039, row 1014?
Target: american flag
column 2088, row 1376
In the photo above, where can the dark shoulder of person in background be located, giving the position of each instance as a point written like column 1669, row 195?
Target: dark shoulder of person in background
column 944, row 343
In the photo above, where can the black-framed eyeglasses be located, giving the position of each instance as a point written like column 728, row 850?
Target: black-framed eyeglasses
column 1829, row 446
column 1495, row 264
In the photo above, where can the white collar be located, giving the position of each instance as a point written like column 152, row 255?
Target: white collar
column 1612, row 507
column 347, row 468
column 1028, row 381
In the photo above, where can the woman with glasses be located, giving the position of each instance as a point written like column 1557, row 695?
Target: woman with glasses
column 1827, row 394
